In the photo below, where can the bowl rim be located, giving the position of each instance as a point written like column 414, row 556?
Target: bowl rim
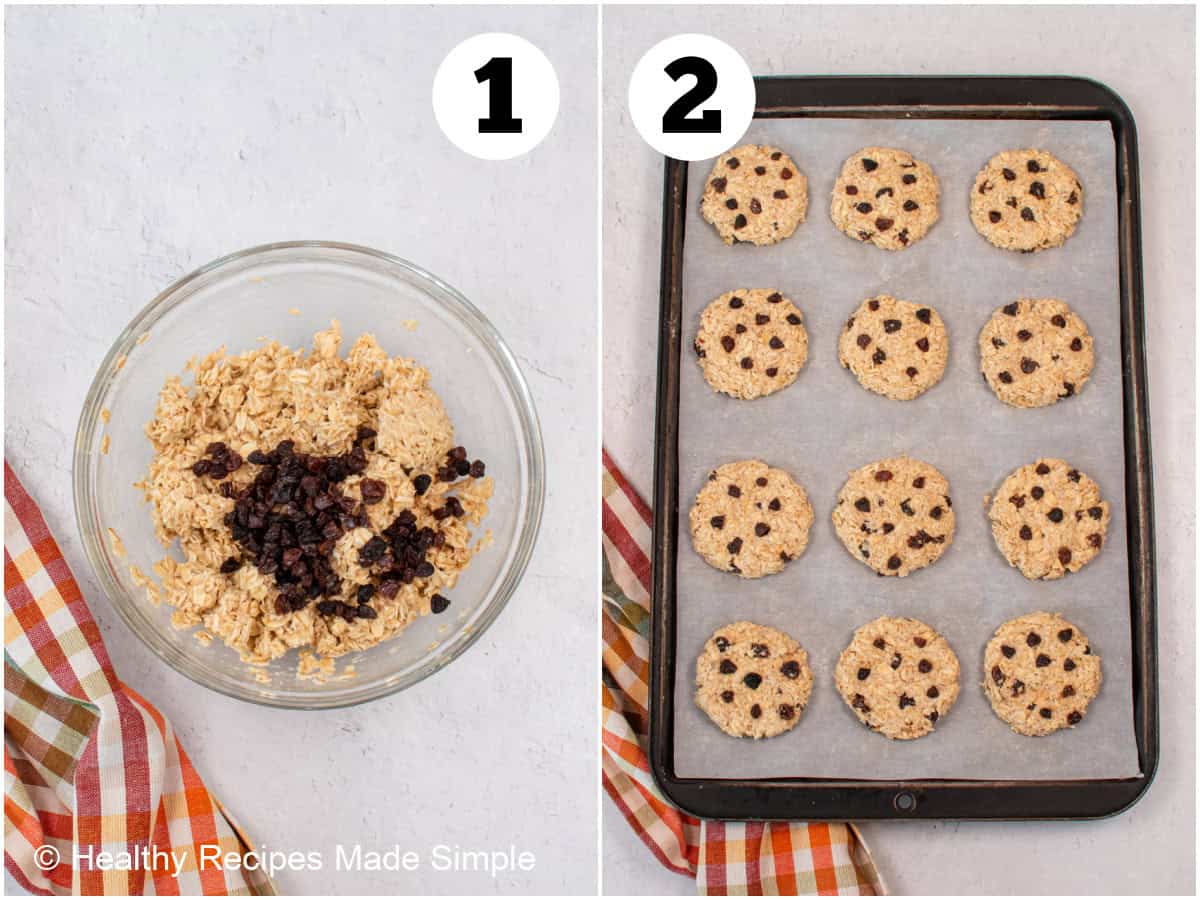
column 510, row 578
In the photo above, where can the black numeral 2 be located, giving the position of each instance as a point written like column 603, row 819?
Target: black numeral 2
column 497, row 72
column 675, row 119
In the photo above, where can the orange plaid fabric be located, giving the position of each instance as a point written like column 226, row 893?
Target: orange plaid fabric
column 90, row 767
column 725, row 858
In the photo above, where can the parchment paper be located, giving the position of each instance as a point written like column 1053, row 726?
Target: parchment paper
column 826, row 424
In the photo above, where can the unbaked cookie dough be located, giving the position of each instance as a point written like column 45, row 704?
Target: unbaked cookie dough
column 752, row 681
column 894, row 347
column 1040, row 674
column 885, row 196
column 1048, row 519
column 750, row 519
column 755, row 195
column 1026, row 200
column 899, row 677
column 751, row 343
column 1035, row 352
column 317, row 499
column 895, row 515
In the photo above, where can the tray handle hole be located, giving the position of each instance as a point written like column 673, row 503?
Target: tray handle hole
column 904, row 802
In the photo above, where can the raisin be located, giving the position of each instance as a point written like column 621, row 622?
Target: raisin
column 1037, row 492
column 935, row 513
column 734, row 491
column 923, row 344
column 851, row 190
column 1042, row 660
column 727, row 696
column 924, row 666
column 908, row 178
column 736, row 303
column 1069, row 665
column 906, row 700
column 1033, row 166
column 878, row 356
column 860, row 703
column 883, row 475
column 727, row 667
column 760, row 170
column 775, row 343
column 911, row 372
column 755, row 711
column 884, row 224
column 722, row 642
column 933, row 692
column 869, row 164
column 752, row 680
column 755, row 206
column 894, row 562
column 1064, row 555
column 1028, row 366
column 733, row 162
column 1026, row 533
column 739, row 222
column 790, row 669
column 734, row 546
column 1011, row 309
column 863, row 341
column 717, row 522
column 924, row 315
column 879, row 643
column 785, row 174
column 775, row 505
column 864, row 674
column 780, row 194
column 762, row 529
column 230, row 565
column 1005, row 377
column 787, row 711
column 891, row 326
column 1027, row 214
column 718, row 185
column 862, row 504
column 864, row 208
column 1009, row 174
column 994, row 217
column 910, row 205
column 1074, row 717
column 747, row 363
column 884, row 190
column 439, row 604
column 793, row 319
column 1037, row 189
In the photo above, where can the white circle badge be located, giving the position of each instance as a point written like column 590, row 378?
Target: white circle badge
column 495, row 96
column 691, row 97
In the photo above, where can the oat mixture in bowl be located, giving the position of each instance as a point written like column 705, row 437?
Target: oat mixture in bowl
column 318, row 499
column 303, row 514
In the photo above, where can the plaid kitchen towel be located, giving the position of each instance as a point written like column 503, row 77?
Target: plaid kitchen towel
column 724, row 857
column 90, row 767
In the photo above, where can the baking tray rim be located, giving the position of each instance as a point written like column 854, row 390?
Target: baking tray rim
column 982, row 97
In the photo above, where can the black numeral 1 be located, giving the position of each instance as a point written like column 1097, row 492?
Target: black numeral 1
column 497, row 72
column 675, row 119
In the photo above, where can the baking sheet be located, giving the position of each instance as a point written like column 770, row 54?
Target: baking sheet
column 826, row 424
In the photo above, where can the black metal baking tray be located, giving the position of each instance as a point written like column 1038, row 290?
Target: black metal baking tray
column 823, row 799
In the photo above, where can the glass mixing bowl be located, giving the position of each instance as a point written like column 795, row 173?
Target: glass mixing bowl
column 287, row 292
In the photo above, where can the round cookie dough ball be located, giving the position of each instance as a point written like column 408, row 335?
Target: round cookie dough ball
column 1026, row 200
column 750, row 519
column 899, row 677
column 755, row 195
column 752, row 681
column 894, row 515
column 1048, row 519
column 1040, row 674
column 894, row 348
column 1035, row 352
column 751, row 343
column 886, row 197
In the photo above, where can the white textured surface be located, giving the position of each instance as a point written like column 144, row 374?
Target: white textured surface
column 1149, row 849
column 142, row 143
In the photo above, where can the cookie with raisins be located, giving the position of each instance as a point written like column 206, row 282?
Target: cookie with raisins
column 895, row 515
column 1026, row 200
column 1040, row 674
column 755, row 194
column 753, row 681
column 899, row 676
column 751, row 343
column 885, row 197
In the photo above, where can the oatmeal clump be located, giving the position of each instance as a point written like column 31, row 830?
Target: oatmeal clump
column 318, row 500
